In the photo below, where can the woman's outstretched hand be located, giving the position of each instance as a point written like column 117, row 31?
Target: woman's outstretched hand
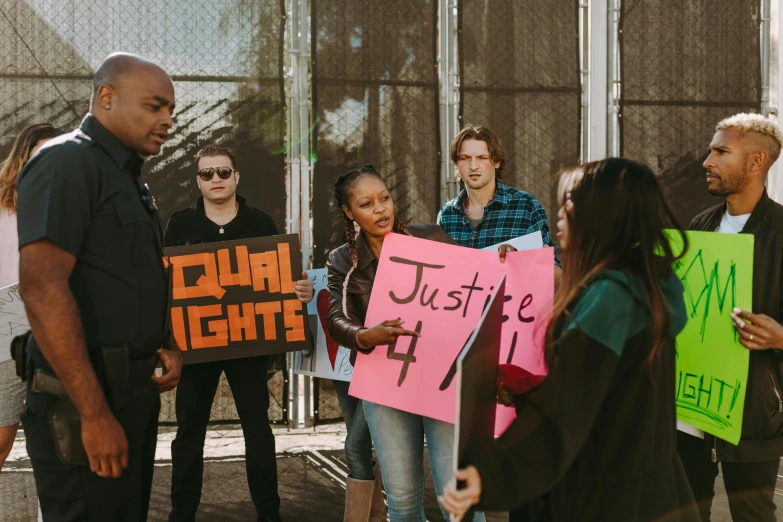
column 383, row 333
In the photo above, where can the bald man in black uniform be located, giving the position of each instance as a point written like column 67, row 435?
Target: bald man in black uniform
column 97, row 295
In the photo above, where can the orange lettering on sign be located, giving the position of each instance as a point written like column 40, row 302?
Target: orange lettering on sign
column 178, row 327
column 207, row 284
column 284, row 255
column 264, row 268
column 293, row 322
column 242, row 276
column 211, row 287
column 246, row 322
column 268, row 311
column 217, row 327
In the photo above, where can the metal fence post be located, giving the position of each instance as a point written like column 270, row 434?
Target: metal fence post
column 299, row 176
column 293, row 171
column 613, row 79
column 770, row 81
column 448, row 78
column 594, row 67
column 306, row 168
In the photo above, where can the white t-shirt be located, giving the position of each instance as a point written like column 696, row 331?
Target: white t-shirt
column 728, row 225
column 9, row 249
column 732, row 224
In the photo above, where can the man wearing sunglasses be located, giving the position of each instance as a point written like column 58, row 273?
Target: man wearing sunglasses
column 222, row 215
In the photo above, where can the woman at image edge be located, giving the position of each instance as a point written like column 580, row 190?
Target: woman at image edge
column 12, row 389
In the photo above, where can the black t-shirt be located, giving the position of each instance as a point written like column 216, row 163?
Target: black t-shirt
column 82, row 192
column 192, row 226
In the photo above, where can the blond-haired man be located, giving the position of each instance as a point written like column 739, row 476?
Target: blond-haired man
column 741, row 153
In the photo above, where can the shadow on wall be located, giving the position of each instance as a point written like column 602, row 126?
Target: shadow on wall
column 330, row 232
column 685, row 189
column 260, row 157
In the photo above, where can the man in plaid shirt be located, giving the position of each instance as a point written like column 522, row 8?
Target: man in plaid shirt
column 488, row 212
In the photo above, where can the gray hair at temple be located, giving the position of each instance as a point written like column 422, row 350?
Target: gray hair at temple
column 767, row 132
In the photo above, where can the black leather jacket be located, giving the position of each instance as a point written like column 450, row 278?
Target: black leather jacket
column 342, row 328
column 762, row 423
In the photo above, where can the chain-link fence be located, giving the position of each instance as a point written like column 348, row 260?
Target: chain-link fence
column 375, row 90
column 226, row 65
column 685, row 66
column 226, row 60
column 519, row 67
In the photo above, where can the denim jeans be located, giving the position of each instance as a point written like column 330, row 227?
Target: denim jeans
column 399, row 443
column 358, row 444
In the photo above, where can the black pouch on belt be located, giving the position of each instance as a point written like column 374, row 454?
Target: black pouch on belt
column 23, row 365
column 114, row 374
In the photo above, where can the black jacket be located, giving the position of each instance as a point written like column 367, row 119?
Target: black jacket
column 192, row 226
column 597, row 439
column 343, row 329
column 762, row 424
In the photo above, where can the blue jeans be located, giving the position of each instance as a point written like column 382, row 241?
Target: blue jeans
column 399, row 443
column 358, row 444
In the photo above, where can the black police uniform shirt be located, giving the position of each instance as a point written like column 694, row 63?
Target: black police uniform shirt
column 192, row 226
column 82, row 192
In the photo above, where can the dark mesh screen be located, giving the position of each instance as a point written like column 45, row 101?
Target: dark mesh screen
column 376, row 98
column 520, row 77
column 685, row 66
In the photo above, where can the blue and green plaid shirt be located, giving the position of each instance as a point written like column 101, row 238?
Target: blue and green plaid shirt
column 511, row 213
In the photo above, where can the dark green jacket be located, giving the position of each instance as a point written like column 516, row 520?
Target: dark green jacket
column 597, row 439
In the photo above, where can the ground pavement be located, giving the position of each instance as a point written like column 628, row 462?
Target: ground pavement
column 311, row 469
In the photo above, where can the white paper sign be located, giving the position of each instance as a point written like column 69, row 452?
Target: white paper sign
column 328, row 360
column 13, row 319
column 527, row 242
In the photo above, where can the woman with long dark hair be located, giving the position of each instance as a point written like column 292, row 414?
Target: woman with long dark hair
column 12, row 389
column 597, row 439
column 399, row 436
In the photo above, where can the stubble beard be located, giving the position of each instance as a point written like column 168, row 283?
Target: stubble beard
column 730, row 186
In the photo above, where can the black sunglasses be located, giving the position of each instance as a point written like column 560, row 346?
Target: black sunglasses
column 207, row 173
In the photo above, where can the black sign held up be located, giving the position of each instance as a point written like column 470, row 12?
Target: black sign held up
column 236, row 298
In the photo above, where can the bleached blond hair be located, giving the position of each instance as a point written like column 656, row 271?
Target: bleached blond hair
column 747, row 122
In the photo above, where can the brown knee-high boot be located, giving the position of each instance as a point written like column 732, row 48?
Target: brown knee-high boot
column 358, row 500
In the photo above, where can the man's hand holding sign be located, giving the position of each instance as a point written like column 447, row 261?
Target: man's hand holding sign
column 757, row 331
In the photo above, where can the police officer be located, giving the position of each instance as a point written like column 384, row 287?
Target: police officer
column 95, row 290
column 220, row 214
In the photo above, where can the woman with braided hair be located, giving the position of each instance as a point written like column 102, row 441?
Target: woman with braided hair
column 398, row 435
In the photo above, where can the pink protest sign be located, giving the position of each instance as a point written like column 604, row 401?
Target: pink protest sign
column 440, row 291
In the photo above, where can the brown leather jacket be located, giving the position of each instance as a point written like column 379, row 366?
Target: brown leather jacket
column 342, row 328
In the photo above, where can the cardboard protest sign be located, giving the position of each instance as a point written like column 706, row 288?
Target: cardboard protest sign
column 326, row 359
column 477, row 373
column 236, row 298
column 712, row 366
column 13, row 319
column 440, row 291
